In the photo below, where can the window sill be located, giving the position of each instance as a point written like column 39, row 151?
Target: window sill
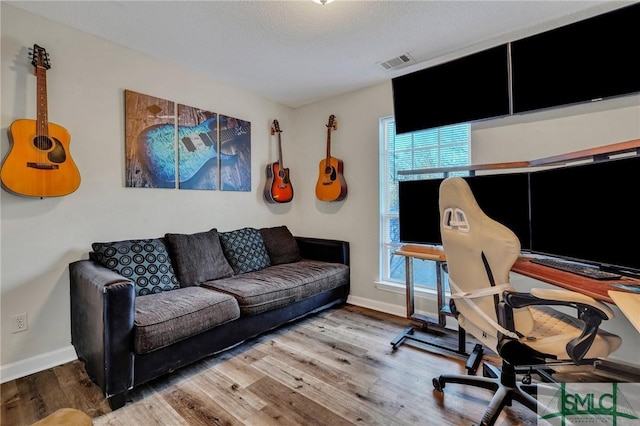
column 429, row 295
column 418, row 291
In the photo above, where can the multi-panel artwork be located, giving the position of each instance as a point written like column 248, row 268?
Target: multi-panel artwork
column 193, row 149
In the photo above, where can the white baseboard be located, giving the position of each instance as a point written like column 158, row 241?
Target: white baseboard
column 25, row 367
column 387, row 308
column 399, row 311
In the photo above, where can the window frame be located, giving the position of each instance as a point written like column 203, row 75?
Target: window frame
column 392, row 268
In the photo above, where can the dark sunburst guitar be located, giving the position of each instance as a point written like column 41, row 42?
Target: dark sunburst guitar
column 39, row 163
column 278, row 188
column 331, row 185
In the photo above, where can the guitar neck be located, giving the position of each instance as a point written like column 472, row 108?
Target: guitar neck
column 280, row 151
column 42, row 122
column 328, row 161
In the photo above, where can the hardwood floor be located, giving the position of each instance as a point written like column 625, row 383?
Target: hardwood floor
column 333, row 368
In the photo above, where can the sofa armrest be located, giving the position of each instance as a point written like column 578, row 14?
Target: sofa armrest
column 102, row 314
column 335, row 251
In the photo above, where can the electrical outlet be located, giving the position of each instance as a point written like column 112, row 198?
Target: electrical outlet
column 19, row 323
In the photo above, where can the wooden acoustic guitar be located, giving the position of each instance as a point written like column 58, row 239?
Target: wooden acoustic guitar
column 278, row 188
column 331, row 185
column 39, row 163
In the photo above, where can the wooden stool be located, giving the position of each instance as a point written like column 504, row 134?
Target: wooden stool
column 66, row 417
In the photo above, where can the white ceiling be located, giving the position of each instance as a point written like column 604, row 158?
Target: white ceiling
column 299, row 52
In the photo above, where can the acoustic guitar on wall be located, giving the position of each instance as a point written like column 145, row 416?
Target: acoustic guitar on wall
column 39, row 163
column 331, row 185
column 278, row 188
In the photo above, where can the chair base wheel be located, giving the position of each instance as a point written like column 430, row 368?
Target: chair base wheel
column 438, row 384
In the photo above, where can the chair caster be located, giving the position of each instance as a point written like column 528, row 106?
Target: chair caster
column 438, row 384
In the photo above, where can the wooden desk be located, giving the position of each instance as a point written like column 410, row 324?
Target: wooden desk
column 629, row 304
column 597, row 289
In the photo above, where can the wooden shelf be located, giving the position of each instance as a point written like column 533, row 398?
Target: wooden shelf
column 595, row 154
column 471, row 168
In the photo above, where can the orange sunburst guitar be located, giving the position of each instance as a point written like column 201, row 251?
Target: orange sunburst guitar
column 39, row 163
column 278, row 188
column 331, row 185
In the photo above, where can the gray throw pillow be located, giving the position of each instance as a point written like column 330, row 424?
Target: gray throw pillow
column 281, row 245
column 245, row 250
column 145, row 262
column 198, row 257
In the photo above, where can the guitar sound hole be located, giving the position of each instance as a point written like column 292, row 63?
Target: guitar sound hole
column 331, row 173
column 43, row 142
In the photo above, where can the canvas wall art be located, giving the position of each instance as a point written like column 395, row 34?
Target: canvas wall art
column 197, row 148
column 235, row 145
column 149, row 141
column 193, row 149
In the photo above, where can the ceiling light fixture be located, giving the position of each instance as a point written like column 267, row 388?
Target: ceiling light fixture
column 322, row 2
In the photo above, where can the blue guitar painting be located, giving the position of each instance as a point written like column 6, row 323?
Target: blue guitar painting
column 197, row 147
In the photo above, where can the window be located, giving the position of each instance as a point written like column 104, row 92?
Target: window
column 438, row 147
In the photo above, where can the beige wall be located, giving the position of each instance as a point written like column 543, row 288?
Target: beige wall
column 86, row 86
column 85, row 90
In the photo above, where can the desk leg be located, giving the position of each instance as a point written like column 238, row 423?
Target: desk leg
column 439, row 323
column 409, row 285
column 442, row 309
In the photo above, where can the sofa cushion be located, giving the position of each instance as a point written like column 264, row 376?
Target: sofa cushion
column 145, row 262
column 281, row 245
column 163, row 319
column 245, row 250
column 198, row 257
column 280, row 285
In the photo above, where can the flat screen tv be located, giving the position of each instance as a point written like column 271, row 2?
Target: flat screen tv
column 418, row 212
column 471, row 88
column 503, row 197
column 588, row 60
column 587, row 213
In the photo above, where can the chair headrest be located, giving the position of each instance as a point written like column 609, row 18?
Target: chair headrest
column 468, row 233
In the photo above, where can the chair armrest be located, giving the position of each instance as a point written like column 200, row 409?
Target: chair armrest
column 335, row 251
column 102, row 314
column 539, row 296
column 590, row 311
column 572, row 296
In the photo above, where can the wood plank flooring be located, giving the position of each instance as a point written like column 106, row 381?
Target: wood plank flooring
column 333, row 368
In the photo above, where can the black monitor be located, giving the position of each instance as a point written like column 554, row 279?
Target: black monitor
column 587, row 213
column 418, row 212
column 589, row 60
column 471, row 88
column 503, row 197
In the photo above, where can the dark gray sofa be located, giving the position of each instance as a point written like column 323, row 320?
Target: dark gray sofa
column 125, row 339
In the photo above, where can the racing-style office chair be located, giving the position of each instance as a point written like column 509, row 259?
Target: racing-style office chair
column 521, row 328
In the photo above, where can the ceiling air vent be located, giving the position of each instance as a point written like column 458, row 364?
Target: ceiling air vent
column 397, row 62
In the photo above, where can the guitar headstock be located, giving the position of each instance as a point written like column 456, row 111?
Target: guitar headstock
column 39, row 57
column 275, row 128
column 332, row 123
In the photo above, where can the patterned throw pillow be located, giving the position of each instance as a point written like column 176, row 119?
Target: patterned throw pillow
column 145, row 262
column 245, row 250
column 281, row 245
